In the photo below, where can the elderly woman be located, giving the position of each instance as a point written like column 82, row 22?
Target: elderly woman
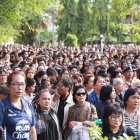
column 20, row 121
column 47, row 125
column 119, row 88
column 81, row 114
column 131, row 111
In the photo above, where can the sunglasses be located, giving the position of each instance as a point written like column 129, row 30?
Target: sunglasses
column 79, row 94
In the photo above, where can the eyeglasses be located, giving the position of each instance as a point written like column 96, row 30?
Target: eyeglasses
column 114, row 118
column 79, row 94
column 18, row 84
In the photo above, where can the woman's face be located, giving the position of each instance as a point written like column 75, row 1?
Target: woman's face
column 80, row 96
column 7, row 57
column 90, row 82
column 44, row 100
column 113, row 94
column 99, row 83
column 43, row 77
column 119, row 75
column 31, row 89
column 115, row 120
column 133, row 101
column 17, row 86
column 124, row 64
column 47, row 83
column 65, row 73
column 12, row 57
column 30, row 74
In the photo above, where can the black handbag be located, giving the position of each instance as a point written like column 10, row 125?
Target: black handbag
column 3, row 133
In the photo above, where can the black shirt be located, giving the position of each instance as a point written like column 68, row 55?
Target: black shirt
column 60, row 112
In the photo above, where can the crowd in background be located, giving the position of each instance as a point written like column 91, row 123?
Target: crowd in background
column 53, row 93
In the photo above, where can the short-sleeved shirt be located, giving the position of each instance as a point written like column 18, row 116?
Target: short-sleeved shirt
column 18, row 122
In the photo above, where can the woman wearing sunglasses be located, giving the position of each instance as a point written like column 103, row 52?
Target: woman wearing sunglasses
column 113, row 122
column 80, row 114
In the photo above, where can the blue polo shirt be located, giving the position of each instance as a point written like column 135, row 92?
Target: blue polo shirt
column 18, row 122
column 93, row 98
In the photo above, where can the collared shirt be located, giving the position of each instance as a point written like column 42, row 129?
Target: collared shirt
column 93, row 98
column 28, row 98
column 69, row 103
column 18, row 122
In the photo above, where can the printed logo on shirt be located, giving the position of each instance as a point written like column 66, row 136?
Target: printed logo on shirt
column 22, row 130
column 11, row 113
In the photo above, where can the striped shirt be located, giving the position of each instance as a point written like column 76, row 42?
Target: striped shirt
column 133, row 124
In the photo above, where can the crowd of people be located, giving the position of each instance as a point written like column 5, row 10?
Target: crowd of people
column 56, row 93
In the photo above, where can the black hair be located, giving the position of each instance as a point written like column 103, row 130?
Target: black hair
column 51, row 71
column 30, row 82
column 111, row 69
column 40, row 74
column 115, row 72
column 66, row 81
column 23, row 63
column 97, row 59
column 3, row 90
column 104, row 75
column 41, row 60
column 39, row 92
column 72, row 67
column 128, row 93
column 43, row 81
column 2, row 70
column 101, row 71
column 75, row 91
column 96, row 79
column 105, row 92
column 112, row 108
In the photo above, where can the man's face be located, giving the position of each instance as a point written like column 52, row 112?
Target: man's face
column 6, row 63
column 29, row 59
column 97, row 63
column 73, row 71
column 41, row 63
column 128, row 74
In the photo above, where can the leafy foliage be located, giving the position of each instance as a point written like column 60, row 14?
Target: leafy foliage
column 17, row 17
column 95, row 133
column 71, row 40
column 86, row 18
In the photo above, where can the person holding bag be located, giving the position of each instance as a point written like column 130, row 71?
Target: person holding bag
column 80, row 115
column 19, row 120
